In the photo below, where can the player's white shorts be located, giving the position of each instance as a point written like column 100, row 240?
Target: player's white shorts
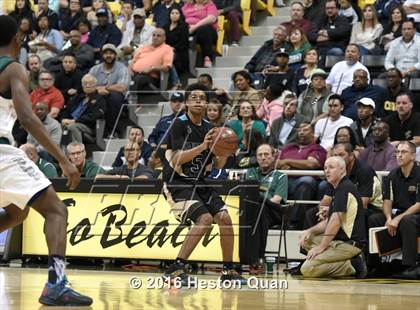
column 20, row 178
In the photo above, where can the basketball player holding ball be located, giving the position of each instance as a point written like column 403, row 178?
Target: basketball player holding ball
column 187, row 161
column 22, row 184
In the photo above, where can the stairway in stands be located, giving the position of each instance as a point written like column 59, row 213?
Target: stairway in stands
column 234, row 60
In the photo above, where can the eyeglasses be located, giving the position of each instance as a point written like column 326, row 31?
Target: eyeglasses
column 195, row 98
column 76, row 153
column 132, row 150
column 46, row 79
column 404, row 152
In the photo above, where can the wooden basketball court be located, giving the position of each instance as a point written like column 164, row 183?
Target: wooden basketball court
column 21, row 287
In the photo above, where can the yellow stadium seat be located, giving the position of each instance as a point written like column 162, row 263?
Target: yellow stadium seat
column 220, row 34
column 115, row 7
column 270, row 8
column 246, row 16
column 363, row 3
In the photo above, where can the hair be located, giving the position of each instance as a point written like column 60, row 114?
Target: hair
column 26, row 8
column 244, row 74
column 89, row 77
column 336, row 97
column 403, row 15
column 385, row 124
column 311, row 49
column 296, row 2
column 137, row 127
column 277, row 89
column 69, row 54
column 341, row 163
column 306, row 123
column 282, row 28
column 254, row 139
column 291, row 96
column 31, row 26
column 411, row 145
column 207, row 76
column 273, row 150
column 74, row 144
column 84, row 21
column 304, row 38
column 128, row 2
column 375, row 16
column 351, row 133
column 9, row 23
column 347, row 147
column 409, row 21
column 335, row 1
column 181, row 20
column 197, row 86
column 355, row 45
column 44, row 71
column 396, row 70
column 408, row 94
column 253, row 115
column 219, row 121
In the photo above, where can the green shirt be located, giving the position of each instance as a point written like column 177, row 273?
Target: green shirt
column 273, row 183
column 236, row 126
column 47, row 168
column 91, row 169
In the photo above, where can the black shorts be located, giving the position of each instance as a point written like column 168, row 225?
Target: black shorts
column 190, row 201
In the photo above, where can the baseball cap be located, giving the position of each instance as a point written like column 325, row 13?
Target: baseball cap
column 111, row 47
column 177, row 96
column 282, row 52
column 139, row 12
column 102, row 12
column 319, row 72
column 366, row 101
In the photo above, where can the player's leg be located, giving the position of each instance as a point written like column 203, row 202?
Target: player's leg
column 193, row 237
column 54, row 213
column 226, row 235
column 12, row 216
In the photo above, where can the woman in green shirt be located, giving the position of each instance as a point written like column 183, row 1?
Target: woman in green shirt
column 298, row 46
column 246, row 119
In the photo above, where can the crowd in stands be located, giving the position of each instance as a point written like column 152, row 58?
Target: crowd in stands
column 307, row 94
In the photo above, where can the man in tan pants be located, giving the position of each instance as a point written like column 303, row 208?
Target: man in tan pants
column 335, row 245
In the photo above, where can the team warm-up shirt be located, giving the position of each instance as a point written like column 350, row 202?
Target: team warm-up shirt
column 185, row 135
column 346, row 200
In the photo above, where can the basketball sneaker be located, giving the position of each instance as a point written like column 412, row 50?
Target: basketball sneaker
column 232, row 275
column 359, row 264
column 60, row 294
column 177, row 272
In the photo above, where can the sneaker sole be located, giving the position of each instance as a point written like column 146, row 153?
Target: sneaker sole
column 50, row 302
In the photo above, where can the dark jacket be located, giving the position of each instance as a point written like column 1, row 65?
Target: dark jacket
column 95, row 110
column 161, row 128
column 357, row 129
column 228, row 5
column 100, row 36
column 339, row 31
column 351, row 95
column 161, row 13
column 178, row 39
column 264, row 56
column 316, row 12
column 276, row 127
column 65, row 81
column 68, row 22
column 85, row 56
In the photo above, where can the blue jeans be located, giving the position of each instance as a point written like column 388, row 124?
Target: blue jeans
column 335, row 51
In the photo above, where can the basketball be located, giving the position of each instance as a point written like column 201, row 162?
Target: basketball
column 225, row 142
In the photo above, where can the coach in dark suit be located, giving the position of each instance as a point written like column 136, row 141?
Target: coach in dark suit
column 284, row 129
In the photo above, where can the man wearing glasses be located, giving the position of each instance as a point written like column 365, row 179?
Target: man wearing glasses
column 46, row 92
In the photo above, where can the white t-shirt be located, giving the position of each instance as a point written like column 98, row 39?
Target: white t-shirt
column 327, row 135
column 341, row 75
column 415, row 16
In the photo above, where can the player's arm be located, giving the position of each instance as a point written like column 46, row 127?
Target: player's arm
column 181, row 157
column 29, row 121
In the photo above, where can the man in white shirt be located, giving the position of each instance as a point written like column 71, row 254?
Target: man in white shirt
column 341, row 75
column 404, row 52
column 138, row 35
column 326, row 128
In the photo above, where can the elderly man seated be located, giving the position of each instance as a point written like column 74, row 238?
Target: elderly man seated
column 132, row 169
column 46, row 167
